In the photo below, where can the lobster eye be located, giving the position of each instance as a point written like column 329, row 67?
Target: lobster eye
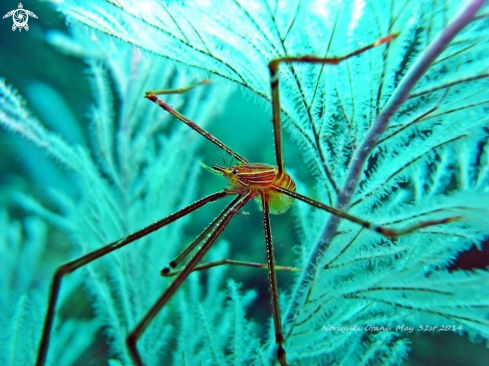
column 234, row 171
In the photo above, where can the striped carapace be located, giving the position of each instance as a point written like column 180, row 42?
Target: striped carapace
column 259, row 179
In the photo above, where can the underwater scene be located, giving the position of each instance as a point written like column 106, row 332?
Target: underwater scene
column 135, row 134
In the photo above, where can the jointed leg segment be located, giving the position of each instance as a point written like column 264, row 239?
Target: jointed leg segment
column 225, row 261
column 387, row 232
column 152, row 95
column 236, row 205
column 273, row 68
column 87, row 258
column 272, row 283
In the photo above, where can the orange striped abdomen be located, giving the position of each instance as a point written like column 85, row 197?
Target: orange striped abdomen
column 278, row 203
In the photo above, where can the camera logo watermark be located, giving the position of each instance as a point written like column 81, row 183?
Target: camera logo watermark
column 20, row 17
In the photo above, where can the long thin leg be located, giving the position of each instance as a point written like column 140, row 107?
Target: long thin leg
column 232, row 262
column 379, row 229
column 87, row 258
column 273, row 67
column 191, row 124
column 177, row 90
column 272, row 283
column 231, row 210
column 167, row 271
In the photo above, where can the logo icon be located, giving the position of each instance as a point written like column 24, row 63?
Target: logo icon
column 20, row 17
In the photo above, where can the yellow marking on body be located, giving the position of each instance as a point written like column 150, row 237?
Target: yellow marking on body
column 259, row 178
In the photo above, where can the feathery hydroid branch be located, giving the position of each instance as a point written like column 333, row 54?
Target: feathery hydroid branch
column 364, row 150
